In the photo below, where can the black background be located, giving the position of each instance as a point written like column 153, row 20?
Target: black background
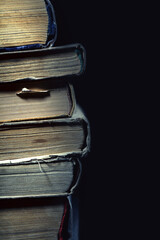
column 81, row 22
column 110, row 92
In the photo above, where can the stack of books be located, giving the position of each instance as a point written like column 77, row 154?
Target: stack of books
column 44, row 134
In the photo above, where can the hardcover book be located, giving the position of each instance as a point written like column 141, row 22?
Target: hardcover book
column 45, row 138
column 44, row 63
column 40, row 218
column 39, row 178
column 35, row 100
column 26, row 24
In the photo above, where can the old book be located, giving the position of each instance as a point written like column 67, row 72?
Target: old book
column 42, row 63
column 36, row 100
column 47, row 178
column 40, row 218
column 44, row 137
column 26, row 23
